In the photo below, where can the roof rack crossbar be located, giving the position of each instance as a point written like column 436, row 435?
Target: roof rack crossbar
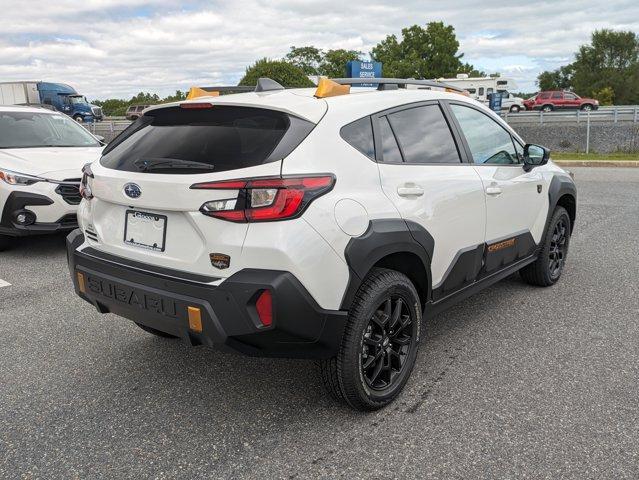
column 396, row 81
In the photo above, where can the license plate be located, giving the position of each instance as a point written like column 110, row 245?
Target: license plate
column 145, row 230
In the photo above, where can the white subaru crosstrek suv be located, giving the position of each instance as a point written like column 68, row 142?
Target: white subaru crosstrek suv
column 41, row 158
column 316, row 223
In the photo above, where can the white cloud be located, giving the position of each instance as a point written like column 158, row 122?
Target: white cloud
column 111, row 48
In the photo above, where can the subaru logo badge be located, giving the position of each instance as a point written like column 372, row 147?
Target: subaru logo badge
column 132, row 190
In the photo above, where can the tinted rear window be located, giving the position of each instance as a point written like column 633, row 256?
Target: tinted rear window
column 220, row 138
column 359, row 134
column 424, row 135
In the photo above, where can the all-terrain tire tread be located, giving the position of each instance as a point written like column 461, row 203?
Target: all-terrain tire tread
column 537, row 273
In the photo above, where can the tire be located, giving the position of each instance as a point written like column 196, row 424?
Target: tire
column 586, row 107
column 78, row 118
column 547, row 269
column 379, row 345
column 515, row 109
column 547, row 108
column 155, row 332
column 5, row 242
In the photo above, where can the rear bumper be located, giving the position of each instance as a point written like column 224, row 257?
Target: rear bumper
column 18, row 202
column 159, row 298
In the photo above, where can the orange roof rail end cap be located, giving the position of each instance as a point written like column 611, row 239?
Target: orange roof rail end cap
column 329, row 88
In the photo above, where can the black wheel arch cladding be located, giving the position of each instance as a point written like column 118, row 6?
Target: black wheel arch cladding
column 562, row 191
column 382, row 239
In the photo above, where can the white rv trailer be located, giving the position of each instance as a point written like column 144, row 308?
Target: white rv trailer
column 480, row 87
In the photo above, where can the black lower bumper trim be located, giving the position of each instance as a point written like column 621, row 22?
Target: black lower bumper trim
column 18, row 201
column 300, row 329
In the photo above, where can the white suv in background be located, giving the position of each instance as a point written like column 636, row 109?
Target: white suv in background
column 316, row 224
column 41, row 158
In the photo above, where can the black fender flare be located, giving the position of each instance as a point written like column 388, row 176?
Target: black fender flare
column 384, row 237
column 560, row 185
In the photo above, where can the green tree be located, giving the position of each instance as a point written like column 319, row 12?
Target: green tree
column 281, row 71
column 307, row 59
column 178, row 96
column 606, row 96
column 430, row 52
column 560, row 79
column 611, row 60
column 334, row 62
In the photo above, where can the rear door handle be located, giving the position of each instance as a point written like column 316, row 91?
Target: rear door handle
column 410, row 191
column 494, row 191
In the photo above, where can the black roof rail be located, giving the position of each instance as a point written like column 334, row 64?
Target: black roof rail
column 230, row 88
column 264, row 84
column 400, row 82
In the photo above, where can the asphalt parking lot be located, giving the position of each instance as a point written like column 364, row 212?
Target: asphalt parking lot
column 515, row 382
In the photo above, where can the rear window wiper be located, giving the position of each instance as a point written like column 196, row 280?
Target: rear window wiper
column 147, row 164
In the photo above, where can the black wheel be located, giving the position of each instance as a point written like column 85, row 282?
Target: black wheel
column 5, row 242
column 515, row 109
column 547, row 108
column 547, row 269
column 379, row 345
column 155, row 332
column 586, row 107
column 78, row 118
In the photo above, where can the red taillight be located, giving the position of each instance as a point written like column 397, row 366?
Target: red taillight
column 264, row 307
column 265, row 199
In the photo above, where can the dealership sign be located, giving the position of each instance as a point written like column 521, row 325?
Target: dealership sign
column 357, row 69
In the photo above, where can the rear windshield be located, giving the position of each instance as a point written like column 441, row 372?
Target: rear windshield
column 176, row 140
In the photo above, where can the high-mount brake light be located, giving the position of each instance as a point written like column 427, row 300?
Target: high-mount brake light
column 196, row 105
column 265, row 199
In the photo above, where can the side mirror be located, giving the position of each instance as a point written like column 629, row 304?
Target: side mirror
column 535, row 156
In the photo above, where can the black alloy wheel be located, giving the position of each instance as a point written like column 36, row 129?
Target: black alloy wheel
column 380, row 342
column 386, row 343
column 547, row 269
column 558, row 248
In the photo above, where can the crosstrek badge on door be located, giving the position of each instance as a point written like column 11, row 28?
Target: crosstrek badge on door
column 219, row 260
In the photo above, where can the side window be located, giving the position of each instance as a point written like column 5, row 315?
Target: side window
column 481, row 91
column 489, row 90
column 390, row 150
column 471, row 90
column 424, row 136
column 359, row 134
column 488, row 141
column 557, row 96
column 570, row 96
column 544, row 95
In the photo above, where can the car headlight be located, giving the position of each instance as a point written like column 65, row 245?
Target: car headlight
column 15, row 178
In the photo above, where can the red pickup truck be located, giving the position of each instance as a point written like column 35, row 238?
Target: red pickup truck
column 559, row 100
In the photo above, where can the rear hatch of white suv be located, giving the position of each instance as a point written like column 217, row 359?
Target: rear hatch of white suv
column 143, row 203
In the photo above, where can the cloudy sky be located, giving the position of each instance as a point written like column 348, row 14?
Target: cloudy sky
column 116, row 48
